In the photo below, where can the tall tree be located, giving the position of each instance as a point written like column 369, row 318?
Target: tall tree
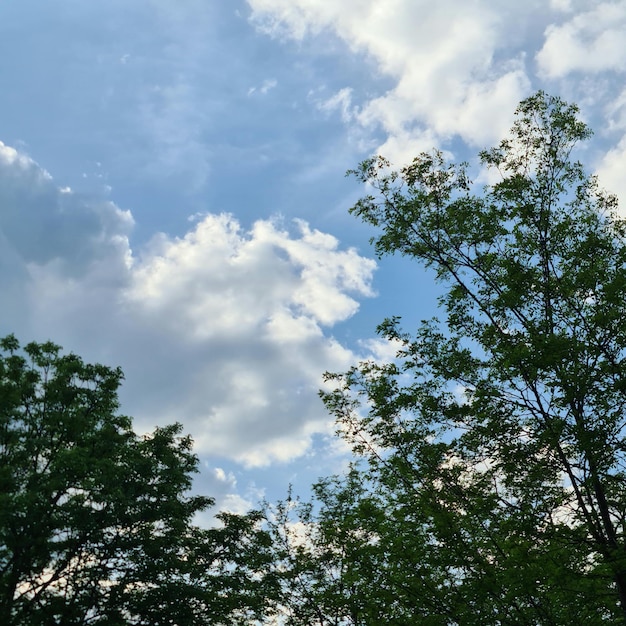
column 492, row 449
column 96, row 524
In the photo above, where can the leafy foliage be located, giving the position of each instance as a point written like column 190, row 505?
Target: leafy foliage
column 95, row 522
column 488, row 485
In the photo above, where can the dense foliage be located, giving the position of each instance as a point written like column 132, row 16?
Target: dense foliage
column 488, row 484
column 95, row 522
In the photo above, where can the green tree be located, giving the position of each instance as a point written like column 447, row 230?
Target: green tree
column 96, row 524
column 328, row 558
column 490, row 485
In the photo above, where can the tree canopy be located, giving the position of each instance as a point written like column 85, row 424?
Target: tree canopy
column 488, row 483
column 96, row 523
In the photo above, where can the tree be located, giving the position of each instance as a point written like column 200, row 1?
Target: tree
column 95, row 522
column 328, row 557
column 490, row 454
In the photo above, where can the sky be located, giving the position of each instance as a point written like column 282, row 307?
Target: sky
column 173, row 198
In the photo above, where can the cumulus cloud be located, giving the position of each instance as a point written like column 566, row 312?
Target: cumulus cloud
column 247, row 311
column 224, row 329
column 449, row 78
column 589, row 41
column 459, row 69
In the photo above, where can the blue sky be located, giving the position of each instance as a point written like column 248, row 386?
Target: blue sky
column 173, row 200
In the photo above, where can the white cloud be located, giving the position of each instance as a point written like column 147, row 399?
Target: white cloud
column 459, row 69
column 247, row 311
column 443, row 57
column 616, row 112
column 611, row 170
column 225, row 489
column 340, row 101
column 612, row 164
column 222, row 329
column 383, row 350
column 266, row 86
column 561, row 5
column 590, row 41
column 257, row 276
